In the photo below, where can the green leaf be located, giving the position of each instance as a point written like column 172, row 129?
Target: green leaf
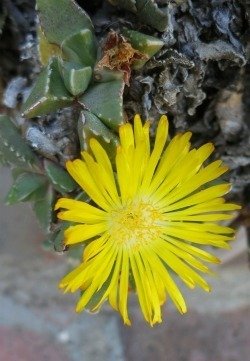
column 46, row 50
column 49, row 92
column 125, row 4
column 43, row 208
column 16, row 172
column 13, row 147
column 80, row 48
column 149, row 12
column 104, row 75
column 75, row 251
column 105, row 100
column 2, row 160
column 38, row 193
column 57, row 238
column 96, row 298
column 62, row 18
column 24, row 185
column 146, row 44
column 58, row 176
column 89, row 126
column 47, row 244
column 82, row 196
column 3, row 14
column 76, row 78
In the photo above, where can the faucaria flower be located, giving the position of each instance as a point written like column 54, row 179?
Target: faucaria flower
column 150, row 218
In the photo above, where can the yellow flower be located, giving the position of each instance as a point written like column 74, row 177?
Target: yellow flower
column 151, row 217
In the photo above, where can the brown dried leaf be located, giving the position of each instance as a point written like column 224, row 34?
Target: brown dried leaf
column 118, row 54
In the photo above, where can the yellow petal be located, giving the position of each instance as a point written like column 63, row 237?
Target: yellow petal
column 104, row 271
column 83, row 232
column 102, row 179
column 160, row 140
column 140, row 288
column 199, row 197
column 79, row 171
column 123, row 289
column 72, row 204
column 174, row 153
column 170, row 285
column 183, row 270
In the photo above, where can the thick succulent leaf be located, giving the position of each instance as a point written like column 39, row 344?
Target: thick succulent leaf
column 125, row 4
column 89, row 126
column 62, row 18
column 80, row 48
column 46, row 50
column 44, row 208
column 13, row 147
column 75, row 77
column 58, row 241
column 146, row 44
column 47, row 244
column 82, row 196
column 2, row 160
column 57, row 238
column 149, row 13
column 49, row 92
column 58, row 176
column 75, row 252
column 96, row 298
column 104, row 75
column 2, row 18
column 105, row 100
column 23, row 187
column 16, row 172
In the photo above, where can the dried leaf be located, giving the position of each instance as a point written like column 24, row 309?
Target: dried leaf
column 118, row 54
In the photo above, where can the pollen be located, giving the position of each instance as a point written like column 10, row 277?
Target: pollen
column 136, row 225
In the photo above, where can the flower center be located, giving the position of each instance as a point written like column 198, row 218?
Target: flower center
column 135, row 225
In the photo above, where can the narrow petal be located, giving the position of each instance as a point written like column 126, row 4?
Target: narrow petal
column 126, row 136
column 79, row 217
column 101, row 156
column 72, row 204
column 113, row 283
column 97, row 282
column 95, row 247
column 123, row 289
column 187, row 257
column 79, row 171
column 189, row 185
column 102, row 180
column 199, row 197
column 140, row 288
column 174, row 153
column 160, row 140
column 83, row 232
column 197, row 252
column 196, row 236
column 170, row 285
column 155, row 291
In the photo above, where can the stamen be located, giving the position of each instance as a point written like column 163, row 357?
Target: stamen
column 135, row 225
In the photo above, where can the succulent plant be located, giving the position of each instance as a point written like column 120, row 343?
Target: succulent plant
column 68, row 51
column 35, row 180
column 147, row 11
column 2, row 17
column 70, row 77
